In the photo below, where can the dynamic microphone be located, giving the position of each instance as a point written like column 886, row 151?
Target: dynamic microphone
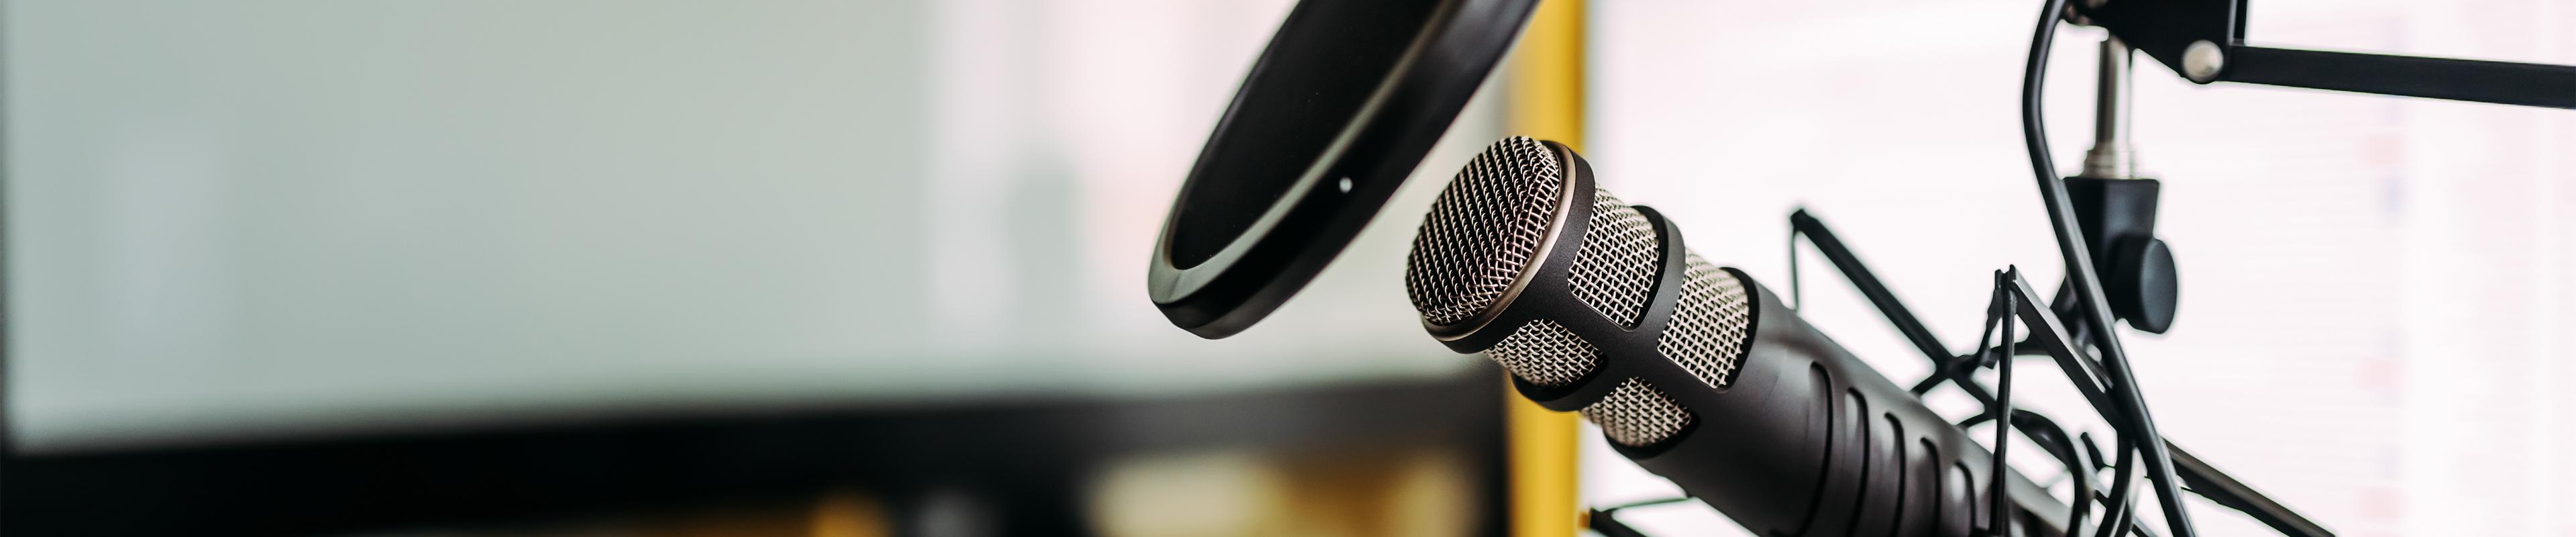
column 1693, row 371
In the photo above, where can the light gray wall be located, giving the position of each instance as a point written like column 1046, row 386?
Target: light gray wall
column 259, row 217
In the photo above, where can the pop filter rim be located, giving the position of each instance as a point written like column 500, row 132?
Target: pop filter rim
column 1324, row 207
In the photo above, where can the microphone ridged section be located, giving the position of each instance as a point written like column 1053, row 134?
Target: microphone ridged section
column 1710, row 325
column 1546, row 354
column 1484, row 230
column 1614, row 271
column 1637, row 415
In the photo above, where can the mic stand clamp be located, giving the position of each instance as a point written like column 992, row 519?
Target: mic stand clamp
column 2116, row 208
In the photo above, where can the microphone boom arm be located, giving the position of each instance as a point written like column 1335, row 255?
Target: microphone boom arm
column 2204, row 40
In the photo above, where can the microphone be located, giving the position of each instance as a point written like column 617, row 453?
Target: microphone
column 1693, row 371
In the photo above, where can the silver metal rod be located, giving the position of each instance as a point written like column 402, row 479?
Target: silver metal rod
column 2111, row 157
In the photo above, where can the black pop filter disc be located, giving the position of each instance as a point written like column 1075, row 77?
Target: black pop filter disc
column 1345, row 101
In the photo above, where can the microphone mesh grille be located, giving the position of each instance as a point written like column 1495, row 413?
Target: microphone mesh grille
column 1484, row 232
column 1613, row 273
column 1615, row 269
column 1637, row 415
column 1484, row 229
column 1710, row 325
column 1545, row 353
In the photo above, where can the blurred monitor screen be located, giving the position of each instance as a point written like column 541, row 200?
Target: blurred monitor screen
column 261, row 219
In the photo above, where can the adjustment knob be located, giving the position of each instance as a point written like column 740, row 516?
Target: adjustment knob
column 2143, row 284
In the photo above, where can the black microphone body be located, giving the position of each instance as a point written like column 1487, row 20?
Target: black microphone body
column 1695, row 372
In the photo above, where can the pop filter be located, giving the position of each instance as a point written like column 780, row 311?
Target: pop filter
column 1337, row 111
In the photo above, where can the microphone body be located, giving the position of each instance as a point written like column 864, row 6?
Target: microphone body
column 1694, row 372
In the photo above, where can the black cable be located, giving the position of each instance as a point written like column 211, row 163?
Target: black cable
column 2115, row 506
column 2088, row 285
column 2079, row 468
column 2081, row 461
column 2116, row 523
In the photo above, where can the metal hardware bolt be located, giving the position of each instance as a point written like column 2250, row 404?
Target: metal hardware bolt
column 2202, row 61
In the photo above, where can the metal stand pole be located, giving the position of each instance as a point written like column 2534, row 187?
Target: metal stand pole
column 2111, row 156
